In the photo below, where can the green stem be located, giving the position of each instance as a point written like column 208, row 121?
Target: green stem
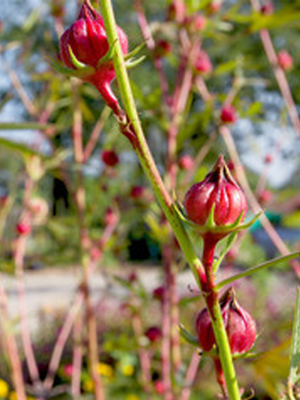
column 162, row 195
column 142, row 148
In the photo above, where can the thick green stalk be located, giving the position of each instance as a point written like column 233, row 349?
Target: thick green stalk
column 162, row 195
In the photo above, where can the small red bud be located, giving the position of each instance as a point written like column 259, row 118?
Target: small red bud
column 177, row 11
column 87, row 40
column 228, row 114
column 3, row 200
column 239, row 324
column 203, row 64
column 186, row 162
column 199, row 22
column 110, row 158
column 23, row 228
column 231, row 166
column 158, row 293
column 269, row 158
column 132, row 277
column 267, row 8
column 137, row 192
column 265, row 196
column 110, row 217
column 95, row 254
column 68, row 370
column 162, row 48
column 214, row 6
column 153, row 334
column 285, row 60
column 159, row 387
column 220, row 190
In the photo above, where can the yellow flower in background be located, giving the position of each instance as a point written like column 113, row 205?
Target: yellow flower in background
column 105, row 370
column 127, row 370
column 13, row 396
column 132, row 397
column 4, row 388
column 88, row 385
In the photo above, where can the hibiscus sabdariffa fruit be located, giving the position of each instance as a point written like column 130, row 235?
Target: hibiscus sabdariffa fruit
column 217, row 203
column 84, row 46
column 239, row 324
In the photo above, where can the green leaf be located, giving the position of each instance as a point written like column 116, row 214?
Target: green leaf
column 259, row 267
column 17, row 147
column 5, row 126
column 189, row 338
column 294, row 374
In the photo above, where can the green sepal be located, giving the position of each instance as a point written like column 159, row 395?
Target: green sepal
column 76, row 73
column 210, row 222
column 131, row 63
column 187, row 336
column 78, row 64
column 133, row 52
column 108, row 57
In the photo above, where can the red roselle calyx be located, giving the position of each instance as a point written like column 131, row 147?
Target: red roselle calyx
column 202, row 63
column 86, row 40
column 216, row 203
column 239, row 324
column 285, row 60
column 228, row 114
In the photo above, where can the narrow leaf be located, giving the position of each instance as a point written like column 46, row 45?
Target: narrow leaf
column 259, row 267
column 295, row 347
column 189, row 338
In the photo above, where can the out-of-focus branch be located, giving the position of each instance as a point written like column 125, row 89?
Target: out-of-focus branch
column 278, row 72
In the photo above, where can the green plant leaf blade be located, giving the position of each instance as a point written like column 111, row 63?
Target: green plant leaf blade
column 294, row 374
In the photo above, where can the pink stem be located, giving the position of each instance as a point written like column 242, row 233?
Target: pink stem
column 166, row 330
column 61, row 341
column 12, row 348
column 190, row 376
column 146, row 32
column 77, row 358
column 278, row 72
column 144, row 355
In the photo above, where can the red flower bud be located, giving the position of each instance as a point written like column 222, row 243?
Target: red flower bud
column 228, row 114
column 186, row 162
column 265, row 196
column 285, row 60
column 162, row 48
column 177, row 11
column 218, row 190
column 3, row 200
column 87, row 40
column 158, row 293
column 110, row 217
column 268, row 158
column 203, row 63
column 199, row 22
column 110, row 158
column 23, row 228
column 195, row 23
column 267, row 8
column 214, row 6
column 153, row 334
column 159, row 387
column 239, row 325
column 137, row 192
